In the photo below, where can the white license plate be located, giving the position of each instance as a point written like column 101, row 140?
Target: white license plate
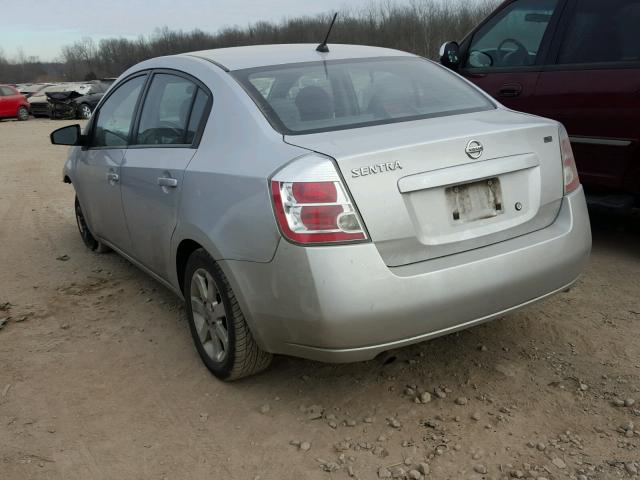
column 475, row 201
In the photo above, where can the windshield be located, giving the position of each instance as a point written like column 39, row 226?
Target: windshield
column 335, row 95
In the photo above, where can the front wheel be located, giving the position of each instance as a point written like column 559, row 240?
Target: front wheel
column 218, row 327
column 23, row 114
column 85, row 111
column 87, row 237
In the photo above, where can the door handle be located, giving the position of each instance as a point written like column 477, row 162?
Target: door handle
column 510, row 90
column 113, row 177
column 167, row 182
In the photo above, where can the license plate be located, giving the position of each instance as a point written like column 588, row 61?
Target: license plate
column 475, row 201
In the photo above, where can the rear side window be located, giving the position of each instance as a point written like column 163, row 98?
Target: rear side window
column 172, row 111
column 115, row 116
column 512, row 38
column 602, row 32
column 334, row 95
column 199, row 108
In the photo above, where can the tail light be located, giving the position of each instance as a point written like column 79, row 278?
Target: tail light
column 312, row 205
column 569, row 169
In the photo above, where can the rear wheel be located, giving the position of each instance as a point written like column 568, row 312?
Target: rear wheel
column 218, row 327
column 85, row 111
column 87, row 237
column 23, row 114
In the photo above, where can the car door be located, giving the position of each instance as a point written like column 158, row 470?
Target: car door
column 16, row 100
column 165, row 140
column 593, row 88
column 98, row 167
column 504, row 55
column 4, row 101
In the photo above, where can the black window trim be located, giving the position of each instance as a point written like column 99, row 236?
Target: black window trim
column 546, row 45
column 203, row 121
column 552, row 64
column 94, row 117
column 149, row 74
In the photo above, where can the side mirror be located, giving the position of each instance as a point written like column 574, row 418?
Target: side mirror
column 450, row 55
column 71, row 135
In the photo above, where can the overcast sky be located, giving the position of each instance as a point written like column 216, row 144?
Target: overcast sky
column 42, row 27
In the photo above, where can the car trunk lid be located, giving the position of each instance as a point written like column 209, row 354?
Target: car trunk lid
column 421, row 193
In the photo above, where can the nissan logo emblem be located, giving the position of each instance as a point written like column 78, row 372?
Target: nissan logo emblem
column 474, row 149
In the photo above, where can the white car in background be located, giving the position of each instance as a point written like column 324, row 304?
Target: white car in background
column 30, row 89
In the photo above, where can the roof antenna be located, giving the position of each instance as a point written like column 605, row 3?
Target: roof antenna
column 322, row 48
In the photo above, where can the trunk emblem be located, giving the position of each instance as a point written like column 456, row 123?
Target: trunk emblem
column 375, row 169
column 474, row 149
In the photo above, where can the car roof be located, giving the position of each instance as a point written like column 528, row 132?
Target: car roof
column 237, row 58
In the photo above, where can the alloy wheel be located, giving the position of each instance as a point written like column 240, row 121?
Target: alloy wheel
column 85, row 112
column 209, row 315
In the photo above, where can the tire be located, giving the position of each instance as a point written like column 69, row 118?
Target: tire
column 207, row 291
column 84, row 111
column 87, row 237
column 23, row 114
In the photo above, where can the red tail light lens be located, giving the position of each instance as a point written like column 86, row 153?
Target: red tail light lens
column 312, row 212
column 315, row 192
column 569, row 169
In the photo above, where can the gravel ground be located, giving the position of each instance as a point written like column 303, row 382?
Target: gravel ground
column 99, row 378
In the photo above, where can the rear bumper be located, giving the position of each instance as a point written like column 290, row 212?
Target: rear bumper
column 342, row 304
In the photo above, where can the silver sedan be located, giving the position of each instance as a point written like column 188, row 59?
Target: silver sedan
column 328, row 205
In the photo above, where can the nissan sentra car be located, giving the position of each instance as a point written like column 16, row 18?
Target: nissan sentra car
column 327, row 205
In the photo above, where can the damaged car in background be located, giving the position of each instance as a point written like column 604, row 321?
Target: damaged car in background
column 38, row 103
column 72, row 104
column 69, row 100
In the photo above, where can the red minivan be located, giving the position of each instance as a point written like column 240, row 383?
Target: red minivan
column 13, row 104
column 576, row 61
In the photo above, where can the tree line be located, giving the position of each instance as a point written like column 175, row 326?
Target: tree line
column 420, row 26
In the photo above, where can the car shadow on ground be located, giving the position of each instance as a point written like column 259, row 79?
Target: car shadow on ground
column 619, row 234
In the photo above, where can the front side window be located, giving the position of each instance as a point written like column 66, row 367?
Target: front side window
column 5, row 92
column 512, row 38
column 602, row 32
column 114, row 119
column 334, row 95
column 167, row 109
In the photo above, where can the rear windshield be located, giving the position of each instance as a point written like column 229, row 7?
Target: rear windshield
column 335, row 95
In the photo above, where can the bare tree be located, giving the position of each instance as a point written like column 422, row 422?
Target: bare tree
column 419, row 26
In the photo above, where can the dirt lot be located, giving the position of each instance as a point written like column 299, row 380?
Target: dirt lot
column 99, row 379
